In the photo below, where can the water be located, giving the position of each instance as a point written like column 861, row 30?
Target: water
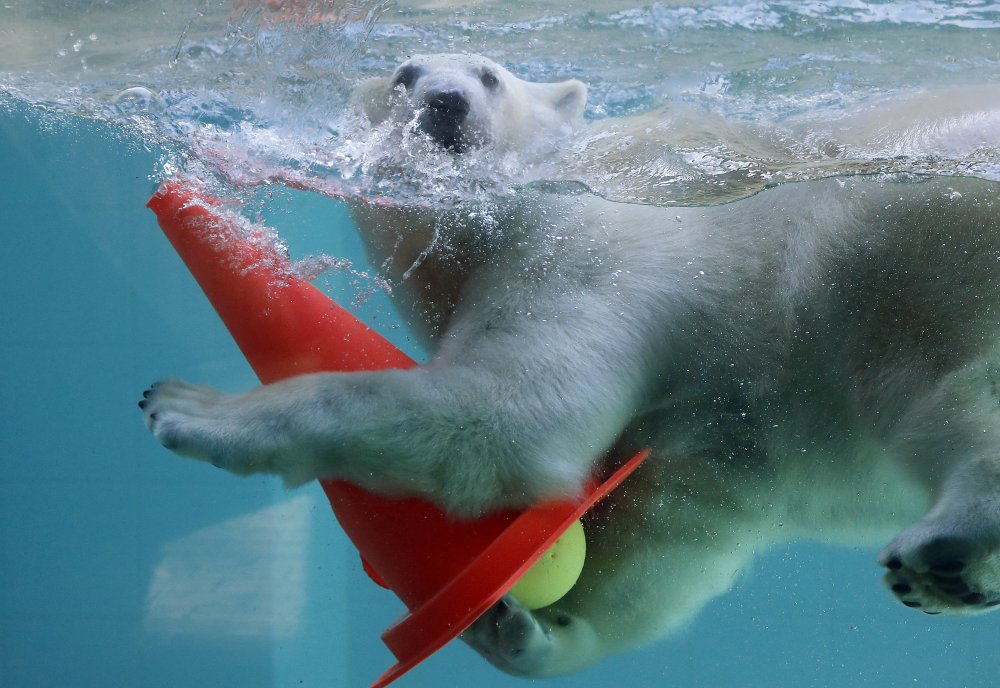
column 120, row 565
column 256, row 95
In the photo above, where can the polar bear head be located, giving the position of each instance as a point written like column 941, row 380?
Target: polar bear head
column 462, row 102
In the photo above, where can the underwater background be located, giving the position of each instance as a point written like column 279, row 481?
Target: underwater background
column 123, row 565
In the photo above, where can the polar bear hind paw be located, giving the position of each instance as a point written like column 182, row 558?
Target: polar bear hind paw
column 945, row 574
column 511, row 638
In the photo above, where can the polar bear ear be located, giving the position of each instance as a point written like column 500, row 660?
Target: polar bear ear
column 373, row 97
column 567, row 98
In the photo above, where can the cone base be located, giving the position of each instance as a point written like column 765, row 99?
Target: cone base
column 442, row 618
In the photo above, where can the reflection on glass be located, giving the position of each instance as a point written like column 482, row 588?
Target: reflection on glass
column 243, row 577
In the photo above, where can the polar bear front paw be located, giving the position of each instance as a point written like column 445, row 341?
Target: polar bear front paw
column 942, row 573
column 190, row 420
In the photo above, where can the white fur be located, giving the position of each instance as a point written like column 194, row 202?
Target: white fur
column 817, row 361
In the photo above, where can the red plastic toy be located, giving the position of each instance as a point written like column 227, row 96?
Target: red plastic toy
column 447, row 572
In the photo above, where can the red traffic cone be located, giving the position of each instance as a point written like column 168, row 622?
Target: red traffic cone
column 448, row 572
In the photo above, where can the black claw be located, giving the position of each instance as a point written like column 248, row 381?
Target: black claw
column 991, row 603
column 153, row 416
column 894, row 564
column 901, row 588
column 912, row 604
column 142, row 404
column 931, row 613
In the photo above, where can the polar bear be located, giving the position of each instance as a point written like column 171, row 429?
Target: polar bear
column 816, row 361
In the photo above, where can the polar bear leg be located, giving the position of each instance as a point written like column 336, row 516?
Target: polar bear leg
column 514, row 411
column 437, row 433
column 949, row 562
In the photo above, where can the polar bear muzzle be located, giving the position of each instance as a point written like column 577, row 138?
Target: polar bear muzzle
column 442, row 118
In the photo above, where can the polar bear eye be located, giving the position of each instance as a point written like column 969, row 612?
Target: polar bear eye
column 406, row 77
column 489, row 80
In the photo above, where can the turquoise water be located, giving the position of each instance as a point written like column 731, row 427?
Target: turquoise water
column 121, row 565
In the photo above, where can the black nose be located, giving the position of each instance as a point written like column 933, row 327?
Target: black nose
column 443, row 117
column 449, row 104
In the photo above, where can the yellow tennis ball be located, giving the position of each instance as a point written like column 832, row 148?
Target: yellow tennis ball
column 555, row 573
